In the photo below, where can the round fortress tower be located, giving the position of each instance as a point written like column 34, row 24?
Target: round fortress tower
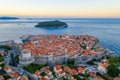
column 26, row 57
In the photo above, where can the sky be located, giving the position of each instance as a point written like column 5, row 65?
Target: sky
column 60, row 8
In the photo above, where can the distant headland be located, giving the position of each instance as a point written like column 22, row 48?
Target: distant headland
column 52, row 24
column 7, row 17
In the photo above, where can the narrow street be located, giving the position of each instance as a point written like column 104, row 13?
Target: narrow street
column 19, row 70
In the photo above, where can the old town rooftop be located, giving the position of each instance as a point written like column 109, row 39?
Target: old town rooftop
column 60, row 44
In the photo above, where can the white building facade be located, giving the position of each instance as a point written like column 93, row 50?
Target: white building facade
column 26, row 57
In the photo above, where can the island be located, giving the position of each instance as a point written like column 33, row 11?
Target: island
column 7, row 18
column 52, row 24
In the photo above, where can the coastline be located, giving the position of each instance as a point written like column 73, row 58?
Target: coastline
column 103, row 29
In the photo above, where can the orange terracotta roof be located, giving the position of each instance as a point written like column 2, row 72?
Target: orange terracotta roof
column 3, row 53
column 37, row 73
column 58, row 67
column 73, row 71
column 100, row 50
column 80, row 69
column 45, row 70
column 44, row 78
column 86, row 52
column 66, row 68
column 58, row 45
column 16, row 76
column 7, row 67
column 92, row 52
column 116, row 78
column 93, row 74
column 61, row 72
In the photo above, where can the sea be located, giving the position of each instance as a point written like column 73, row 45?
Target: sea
column 107, row 30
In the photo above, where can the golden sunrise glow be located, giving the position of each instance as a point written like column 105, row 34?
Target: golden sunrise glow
column 77, row 8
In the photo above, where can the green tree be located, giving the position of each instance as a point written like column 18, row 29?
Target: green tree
column 85, row 78
column 54, row 74
column 17, row 59
column 71, row 63
column 5, row 47
column 55, row 24
column 43, row 74
column 32, row 67
column 63, row 78
column 6, row 76
column 2, row 71
column 115, row 60
column 112, row 70
column 102, row 75
column 91, row 62
column 1, row 58
column 77, row 77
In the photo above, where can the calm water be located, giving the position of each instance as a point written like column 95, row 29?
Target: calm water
column 106, row 30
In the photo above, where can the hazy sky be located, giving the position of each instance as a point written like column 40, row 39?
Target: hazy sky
column 77, row 8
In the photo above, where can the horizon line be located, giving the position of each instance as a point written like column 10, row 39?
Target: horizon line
column 57, row 16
